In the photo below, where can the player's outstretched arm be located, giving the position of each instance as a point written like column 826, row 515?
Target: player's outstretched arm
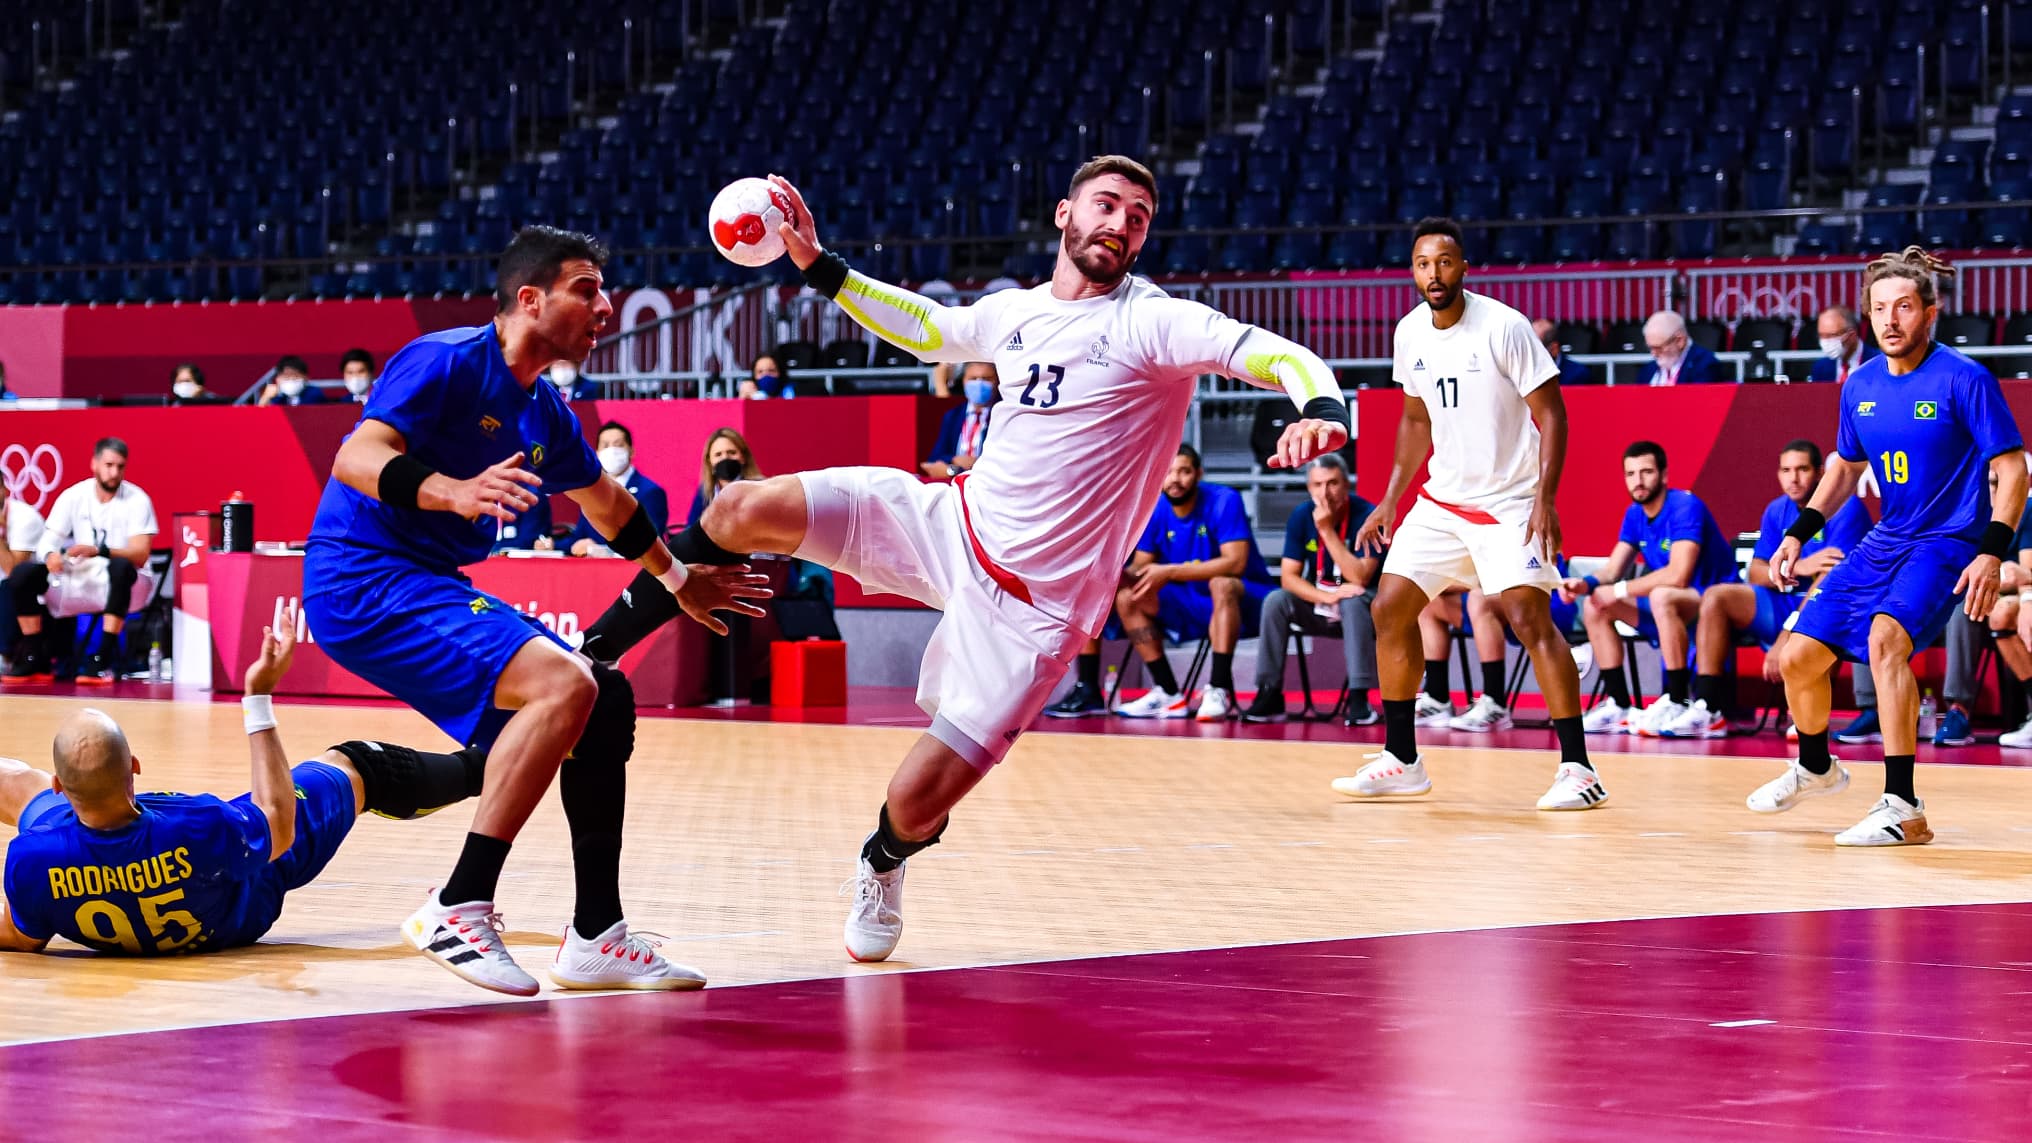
column 1837, row 484
column 700, row 589
column 906, row 320
column 1269, row 361
column 273, row 790
column 1414, row 444
column 375, row 462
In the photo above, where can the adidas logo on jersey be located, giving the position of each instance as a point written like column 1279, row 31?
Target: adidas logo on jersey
column 1015, row 342
column 1531, row 564
column 1418, row 366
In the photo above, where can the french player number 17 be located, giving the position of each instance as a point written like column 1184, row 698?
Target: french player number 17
column 1449, row 392
column 1051, row 385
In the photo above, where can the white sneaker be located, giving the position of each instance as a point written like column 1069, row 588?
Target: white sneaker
column 1216, row 705
column 1156, row 703
column 1484, row 717
column 2019, row 739
column 467, row 939
column 1432, row 713
column 1696, row 721
column 1607, row 717
column 1661, row 712
column 1385, row 776
column 1892, row 821
column 1796, row 785
column 618, row 958
column 875, row 923
column 1574, row 787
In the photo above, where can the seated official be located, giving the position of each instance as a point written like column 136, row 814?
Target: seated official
column 964, row 431
column 291, row 385
column 92, row 554
column 1195, row 572
column 766, row 379
column 1571, row 372
column 21, row 528
column 1683, row 552
column 1757, row 607
column 167, row 874
column 356, row 370
column 570, row 385
column 727, row 458
column 1842, row 347
column 1326, row 589
column 187, row 387
column 616, row 449
column 1677, row 359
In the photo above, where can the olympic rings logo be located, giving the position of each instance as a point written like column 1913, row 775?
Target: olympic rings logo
column 31, row 475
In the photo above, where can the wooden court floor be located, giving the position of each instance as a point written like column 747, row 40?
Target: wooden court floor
column 741, row 835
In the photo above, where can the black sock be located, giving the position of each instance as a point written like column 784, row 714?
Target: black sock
column 1492, row 679
column 1615, row 687
column 1358, row 700
column 1898, row 777
column 478, row 872
column 884, row 851
column 595, row 797
column 1676, row 681
column 1400, row 728
column 693, row 546
column 1090, row 671
column 1435, row 681
column 1712, row 690
column 1813, row 755
column 641, row 608
column 1223, row 675
column 1572, row 741
column 1160, row 674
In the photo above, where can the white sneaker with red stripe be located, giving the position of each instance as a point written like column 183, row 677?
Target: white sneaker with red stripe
column 467, row 940
column 1156, row 703
column 1574, row 787
column 618, row 959
column 1386, row 776
column 1696, row 721
column 1216, row 704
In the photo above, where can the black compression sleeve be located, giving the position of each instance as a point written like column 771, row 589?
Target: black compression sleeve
column 636, row 537
column 827, row 274
column 402, row 478
column 1808, row 525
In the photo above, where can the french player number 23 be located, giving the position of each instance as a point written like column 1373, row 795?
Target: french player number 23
column 107, row 922
column 1449, row 392
column 1050, row 385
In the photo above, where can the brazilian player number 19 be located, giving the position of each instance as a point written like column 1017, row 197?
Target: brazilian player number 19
column 1897, row 467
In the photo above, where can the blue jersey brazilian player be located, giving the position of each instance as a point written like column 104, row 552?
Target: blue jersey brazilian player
column 165, row 874
column 459, row 434
column 1930, row 425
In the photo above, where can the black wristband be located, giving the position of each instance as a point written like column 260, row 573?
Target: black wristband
column 105, row 552
column 402, row 478
column 636, row 536
column 827, row 274
column 1997, row 539
column 1807, row 526
column 1333, row 409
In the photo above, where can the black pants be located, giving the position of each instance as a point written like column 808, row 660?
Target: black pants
column 30, row 579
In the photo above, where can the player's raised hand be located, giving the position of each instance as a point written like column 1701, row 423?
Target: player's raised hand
column 1785, row 564
column 710, row 588
column 1305, row 440
column 1979, row 579
column 503, row 491
column 1374, row 534
column 278, row 648
column 800, row 233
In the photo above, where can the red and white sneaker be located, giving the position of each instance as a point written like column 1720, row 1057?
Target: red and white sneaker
column 1386, row 776
column 1574, row 787
column 1696, row 721
column 1156, row 703
column 467, row 940
column 618, row 959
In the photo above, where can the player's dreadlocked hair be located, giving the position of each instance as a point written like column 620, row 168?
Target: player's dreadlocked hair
column 1914, row 264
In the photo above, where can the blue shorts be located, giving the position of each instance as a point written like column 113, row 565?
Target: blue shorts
column 429, row 639
column 1773, row 609
column 1185, row 609
column 1912, row 581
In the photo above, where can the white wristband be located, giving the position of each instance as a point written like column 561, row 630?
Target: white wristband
column 257, row 712
column 2025, row 595
column 675, row 578
column 1622, row 589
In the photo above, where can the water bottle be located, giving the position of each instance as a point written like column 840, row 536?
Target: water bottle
column 1108, row 684
column 1929, row 717
column 155, row 661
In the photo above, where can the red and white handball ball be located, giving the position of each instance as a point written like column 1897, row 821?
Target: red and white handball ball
column 744, row 218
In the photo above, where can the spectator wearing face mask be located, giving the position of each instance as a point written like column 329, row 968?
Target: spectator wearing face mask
column 964, row 431
column 727, row 459
column 356, row 369
column 766, row 379
column 1676, row 359
column 291, row 385
column 616, row 450
column 570, row 385
column 187, row 387
column 1842, row 347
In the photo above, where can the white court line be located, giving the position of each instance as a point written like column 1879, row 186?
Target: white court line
column 1741, row 1023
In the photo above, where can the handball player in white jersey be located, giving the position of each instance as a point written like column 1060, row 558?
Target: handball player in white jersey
column 1024, row 552
column 1482, row 396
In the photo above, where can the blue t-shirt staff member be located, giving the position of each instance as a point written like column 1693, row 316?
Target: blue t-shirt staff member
column 459, row 433
column 1930, row 425
column 166, row 874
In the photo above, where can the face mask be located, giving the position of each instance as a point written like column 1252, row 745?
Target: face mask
column 765, row 381
column 980, row 391
column 291, row 386
column 563, row 374
column 185, row 390
column 728, row 470
column 359, row 385
column 1834, row 347
column 614, row 460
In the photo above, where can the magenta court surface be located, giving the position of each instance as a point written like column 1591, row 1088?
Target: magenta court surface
column 1913, row 1024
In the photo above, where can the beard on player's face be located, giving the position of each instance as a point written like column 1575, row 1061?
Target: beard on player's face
column 1095, row 262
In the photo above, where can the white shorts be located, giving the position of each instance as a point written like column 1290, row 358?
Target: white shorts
column 1436, row 548
column 994, row 660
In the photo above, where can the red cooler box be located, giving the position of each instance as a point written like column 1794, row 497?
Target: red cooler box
column 811, row 673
